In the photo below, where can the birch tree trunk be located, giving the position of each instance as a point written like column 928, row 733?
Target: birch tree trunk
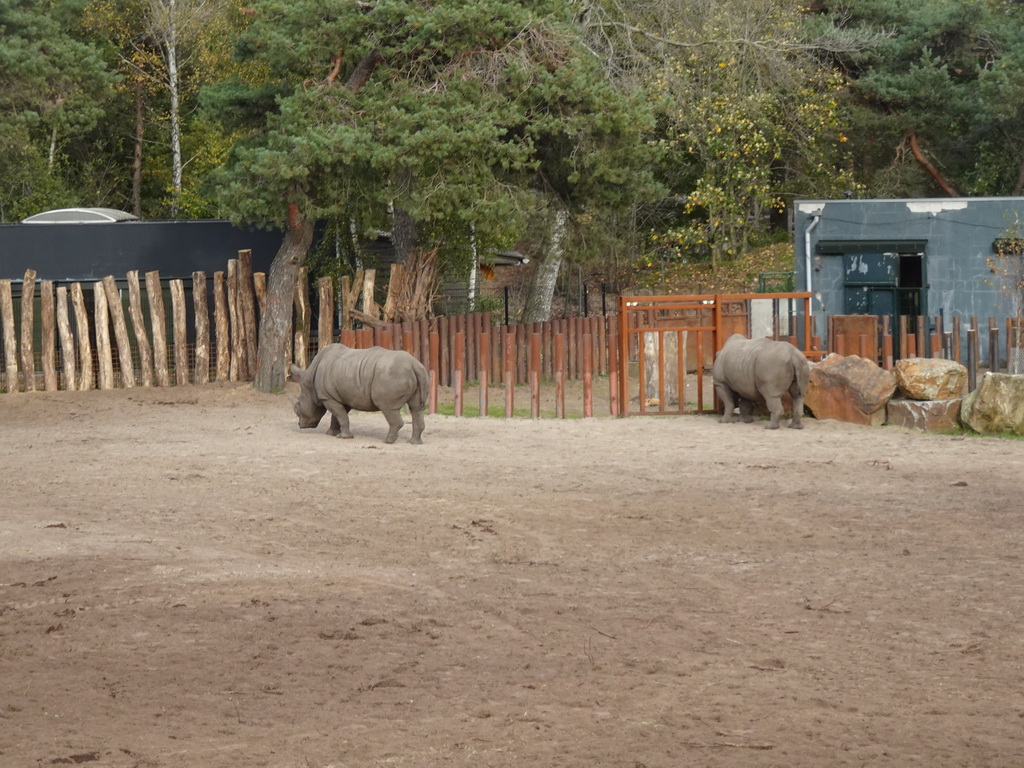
column 174, row 91
column 542, row 284
column 140, row 126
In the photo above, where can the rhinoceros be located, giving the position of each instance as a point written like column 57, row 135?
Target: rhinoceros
column 748, row 371
column 341, row 378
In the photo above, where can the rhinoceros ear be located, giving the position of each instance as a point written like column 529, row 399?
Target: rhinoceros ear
column 295, row 373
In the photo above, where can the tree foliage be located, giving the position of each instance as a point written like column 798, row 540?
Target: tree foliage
column 612, row 132
column 52, row 85
column 750, row 121
column 939, row 101
column 455, row 116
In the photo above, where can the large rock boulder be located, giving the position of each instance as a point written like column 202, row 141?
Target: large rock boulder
column 997, row 405
column 921, row 378
column 929, row 415
column 849, row 389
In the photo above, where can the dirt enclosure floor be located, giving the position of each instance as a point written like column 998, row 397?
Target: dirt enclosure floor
column 186, row 579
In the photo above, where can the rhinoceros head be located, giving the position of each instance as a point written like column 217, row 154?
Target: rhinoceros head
column 307, row 407
column 309, row 412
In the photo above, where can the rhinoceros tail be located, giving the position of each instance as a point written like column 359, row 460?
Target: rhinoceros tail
column 801, row 372
column 423, row 380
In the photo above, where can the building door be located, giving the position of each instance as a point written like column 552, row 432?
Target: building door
column 887, row 283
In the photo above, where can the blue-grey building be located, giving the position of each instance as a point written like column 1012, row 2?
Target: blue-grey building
column 904, row 257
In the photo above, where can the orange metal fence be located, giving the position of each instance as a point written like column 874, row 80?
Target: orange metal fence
column 669, row 343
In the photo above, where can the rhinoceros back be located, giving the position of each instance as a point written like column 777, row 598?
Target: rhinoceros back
column 750, row 366
column 369, row 379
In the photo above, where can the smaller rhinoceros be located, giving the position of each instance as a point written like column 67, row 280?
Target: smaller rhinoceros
column 749, row 371
column 341, row 378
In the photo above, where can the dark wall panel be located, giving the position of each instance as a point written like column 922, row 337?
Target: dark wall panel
column 85, row 252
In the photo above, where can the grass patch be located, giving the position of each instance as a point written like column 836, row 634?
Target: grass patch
column 498, row 411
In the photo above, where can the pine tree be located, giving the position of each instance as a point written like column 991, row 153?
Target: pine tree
column 452, row 115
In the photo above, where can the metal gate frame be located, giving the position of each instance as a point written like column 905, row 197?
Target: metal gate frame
column 654, row 339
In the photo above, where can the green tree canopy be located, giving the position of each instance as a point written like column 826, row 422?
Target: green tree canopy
column 938, row 104
column 51, row 84
column 455, row 115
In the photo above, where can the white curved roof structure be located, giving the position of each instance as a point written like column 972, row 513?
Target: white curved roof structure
column 80, row 216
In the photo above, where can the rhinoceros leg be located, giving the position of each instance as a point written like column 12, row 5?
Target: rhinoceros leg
column 775, row 409
column 798, row 407
column 746, row 409
column 725, row 394
column 395, row 422
column 339, row 420
column 417, row 426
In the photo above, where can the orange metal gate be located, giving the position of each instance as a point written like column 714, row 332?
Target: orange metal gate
column 668, row 344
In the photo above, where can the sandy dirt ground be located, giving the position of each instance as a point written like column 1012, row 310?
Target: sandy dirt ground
column 187, row 579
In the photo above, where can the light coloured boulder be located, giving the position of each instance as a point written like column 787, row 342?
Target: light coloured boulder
column 997, row 405
column 924, row 378
column 849, row 389
column 928, row 415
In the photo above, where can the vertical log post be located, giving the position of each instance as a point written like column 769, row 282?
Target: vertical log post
column 510, row 372
column 237, row 370
column 9, row 335
column 1009, row 345
column 247, row 305
column 302, row 318
column 433, row 368
column 972, row 358
column 325, row 328
column 344, row 291
column 28, row 321
column 559, row 373
column 48, row 339
column 67, row 339
column 158, row 323
column 369, row 280
column 86, row 377
column 535, row 374
column 520, row 351
column 139, row 328
column 1014, row 337
column 221, row 323
column 104, row 353
column 124, row 345
column 613, row 372
column 588, row 377
column 202, row 324
column 485, row 370
column 453, row 328
column 443, row 365
column 180, row 332
column 993, row 345
column 259, row 286
column 458, row 370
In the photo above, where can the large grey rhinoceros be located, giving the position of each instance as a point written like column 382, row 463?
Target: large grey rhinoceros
column 749, row 371
column 341, row 378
